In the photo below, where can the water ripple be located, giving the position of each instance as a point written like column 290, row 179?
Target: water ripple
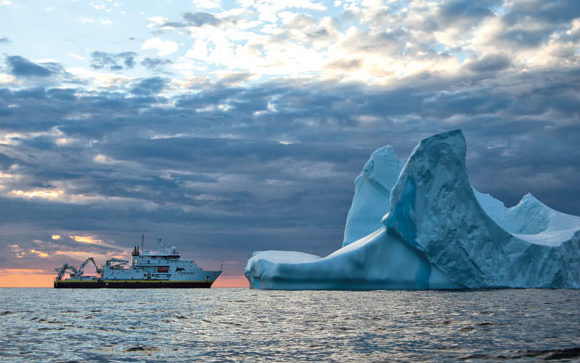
column 48, row 325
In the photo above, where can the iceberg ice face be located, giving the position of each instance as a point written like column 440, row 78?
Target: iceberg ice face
column 442, row 218
column 438, row 234
column 372, row 192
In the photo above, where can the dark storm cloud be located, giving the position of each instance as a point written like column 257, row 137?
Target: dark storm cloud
column 22, row 67
column 236, row 169
column 113, row 61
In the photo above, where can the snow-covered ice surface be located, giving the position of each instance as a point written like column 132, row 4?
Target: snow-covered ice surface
column 531, row 220
column 421, row 225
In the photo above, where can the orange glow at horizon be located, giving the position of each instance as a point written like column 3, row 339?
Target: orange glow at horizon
column 231, row 281
column 37, row 278
column 25, row 278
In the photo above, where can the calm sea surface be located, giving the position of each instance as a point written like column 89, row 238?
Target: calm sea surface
column 51, row 325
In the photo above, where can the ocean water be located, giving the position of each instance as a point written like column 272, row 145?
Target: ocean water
column 55, row 325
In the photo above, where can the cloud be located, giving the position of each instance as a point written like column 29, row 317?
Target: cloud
column 454, row 11
column 22, row 67
column 557, row 11
column 197, row 19
column 491, row 63
column 4, row 40
column 376, row 43
column 225, row 140
column 155, row 64
column 149, row 86
column 42, row 194
column 348, row 65
column 200, row 19
column 524, row 37
column 113, row 61
column 163, row 47
column 86, row 239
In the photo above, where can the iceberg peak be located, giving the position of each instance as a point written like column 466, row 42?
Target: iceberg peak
column 434, row 172
column 372, row 191
column 530, row 199
column 383, row 167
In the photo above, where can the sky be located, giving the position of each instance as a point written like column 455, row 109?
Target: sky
column 227, row 127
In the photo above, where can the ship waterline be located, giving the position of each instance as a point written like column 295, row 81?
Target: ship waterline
column 131, row 284
column 149, row 269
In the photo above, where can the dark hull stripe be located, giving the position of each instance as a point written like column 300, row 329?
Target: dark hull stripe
column 132, row 285
column 77, row 285
column 157, row 284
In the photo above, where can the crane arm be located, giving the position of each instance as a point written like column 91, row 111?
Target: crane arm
column 82, row 267
column 62, row 270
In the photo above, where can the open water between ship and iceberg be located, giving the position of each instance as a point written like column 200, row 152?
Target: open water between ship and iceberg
column 51, row 325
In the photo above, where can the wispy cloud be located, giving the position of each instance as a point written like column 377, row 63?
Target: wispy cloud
column 87, row 239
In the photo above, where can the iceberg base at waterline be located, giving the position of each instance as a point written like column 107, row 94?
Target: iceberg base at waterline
column 435, row 232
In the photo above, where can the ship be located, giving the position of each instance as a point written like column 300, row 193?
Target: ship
column 148, row 269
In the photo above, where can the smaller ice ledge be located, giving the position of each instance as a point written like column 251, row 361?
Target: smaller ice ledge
column 378, row 261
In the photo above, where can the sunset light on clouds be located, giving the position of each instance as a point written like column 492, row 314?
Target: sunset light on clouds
column 227, row 127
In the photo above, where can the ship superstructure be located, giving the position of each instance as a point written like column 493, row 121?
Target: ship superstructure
column 148, row 269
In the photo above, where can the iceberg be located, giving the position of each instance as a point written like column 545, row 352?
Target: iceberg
column 421, row 225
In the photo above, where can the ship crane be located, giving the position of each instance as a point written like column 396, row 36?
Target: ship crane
column 82, row 267
column 62, row 270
